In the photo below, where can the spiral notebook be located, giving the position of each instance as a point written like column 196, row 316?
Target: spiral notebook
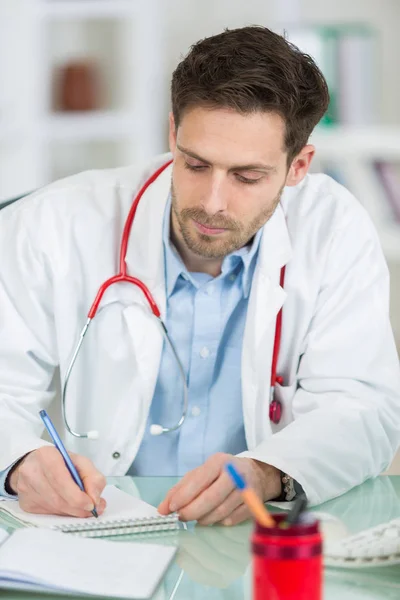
column 124, row 515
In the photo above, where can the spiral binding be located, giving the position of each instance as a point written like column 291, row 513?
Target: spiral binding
column 122, row 526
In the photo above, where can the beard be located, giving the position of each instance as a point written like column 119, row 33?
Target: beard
column 235, row 237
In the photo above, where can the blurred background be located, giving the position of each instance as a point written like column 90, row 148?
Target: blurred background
column 85, row 84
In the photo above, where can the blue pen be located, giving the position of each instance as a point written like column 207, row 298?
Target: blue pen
column 61, row 448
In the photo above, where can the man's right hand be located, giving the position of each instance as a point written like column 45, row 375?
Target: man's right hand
column 44, row 485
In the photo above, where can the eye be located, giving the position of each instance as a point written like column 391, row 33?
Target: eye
column 247, row 180
column 194, row 167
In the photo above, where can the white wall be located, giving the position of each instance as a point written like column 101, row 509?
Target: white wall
column 190, row 20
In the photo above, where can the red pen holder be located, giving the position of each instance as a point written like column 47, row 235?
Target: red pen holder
column 287, row 563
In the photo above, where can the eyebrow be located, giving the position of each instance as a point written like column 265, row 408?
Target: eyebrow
column 250, row 167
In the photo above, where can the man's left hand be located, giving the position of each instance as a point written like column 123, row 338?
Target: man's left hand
column 208, row 495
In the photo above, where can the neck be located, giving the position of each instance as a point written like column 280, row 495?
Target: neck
column 193, row 262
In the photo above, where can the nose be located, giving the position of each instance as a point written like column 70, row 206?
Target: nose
column 215, row 199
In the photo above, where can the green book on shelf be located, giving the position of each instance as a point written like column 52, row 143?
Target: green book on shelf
column 321, row 43
column 347, row 56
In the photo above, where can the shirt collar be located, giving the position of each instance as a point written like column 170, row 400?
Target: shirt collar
column 248, row 255
column 174, row 266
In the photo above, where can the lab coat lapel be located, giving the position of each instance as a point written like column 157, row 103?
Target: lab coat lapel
column 145, row 261
column 145, row 256
column 266, row 299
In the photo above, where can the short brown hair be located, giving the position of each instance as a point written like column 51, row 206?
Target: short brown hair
column 253, row 69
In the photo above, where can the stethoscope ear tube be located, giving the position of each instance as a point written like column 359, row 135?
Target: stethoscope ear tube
column 92, row 435
column 155, row 429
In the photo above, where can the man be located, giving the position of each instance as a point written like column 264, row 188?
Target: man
column 210, row 238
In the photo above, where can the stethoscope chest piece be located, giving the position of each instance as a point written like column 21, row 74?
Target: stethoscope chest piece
column 275, row 411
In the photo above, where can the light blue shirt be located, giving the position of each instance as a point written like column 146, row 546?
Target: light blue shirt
column 205, row 318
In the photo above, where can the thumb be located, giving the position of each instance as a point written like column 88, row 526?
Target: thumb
column 93, row 481
column 163, row 507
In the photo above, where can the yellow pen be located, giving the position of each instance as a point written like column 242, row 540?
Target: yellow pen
column 252, row 501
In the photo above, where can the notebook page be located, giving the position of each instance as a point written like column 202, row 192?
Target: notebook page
column 120, row 505
column 85, row 566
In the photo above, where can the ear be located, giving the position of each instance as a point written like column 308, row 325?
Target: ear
column 300, row 165
column 172, row 133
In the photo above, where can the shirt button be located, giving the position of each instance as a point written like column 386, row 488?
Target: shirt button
column 210, row 290
column 116, row 455
column 204, row 352
column 196, row 411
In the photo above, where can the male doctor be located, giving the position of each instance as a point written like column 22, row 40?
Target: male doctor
column 209, row 239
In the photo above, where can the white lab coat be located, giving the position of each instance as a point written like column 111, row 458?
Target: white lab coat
column 341, row 398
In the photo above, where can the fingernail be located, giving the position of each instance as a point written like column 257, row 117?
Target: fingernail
column 173, row 507
column 89, row 507
column 227, row 522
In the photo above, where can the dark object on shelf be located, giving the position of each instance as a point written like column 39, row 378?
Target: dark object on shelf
column 77, row 87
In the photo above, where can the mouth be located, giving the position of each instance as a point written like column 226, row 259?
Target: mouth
column 208, row 230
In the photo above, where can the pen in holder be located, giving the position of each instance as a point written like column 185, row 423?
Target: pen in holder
column 287, row 561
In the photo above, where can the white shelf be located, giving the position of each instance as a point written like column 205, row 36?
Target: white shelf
column 85, row 9
column 35, row 143
column 336, row 144
column 79, row 127
column 90, row 126
column 364, row 144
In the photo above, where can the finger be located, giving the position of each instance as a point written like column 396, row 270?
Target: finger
column 52, row 504
column 93, row 481
column 197, row 481
column 163, row 507
column 34, row 487
column 239, row 515
column 209, row 500
column 167, row 505
column 33, row 507
column 44, row 480
column 47, row 501
column 62, row 484
column 73, row 500
column 222, row 509
column 101, row 506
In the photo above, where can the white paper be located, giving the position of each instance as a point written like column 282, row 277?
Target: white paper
column 120, row 505
column 286, row 506
column 3, row 535
column 72, row 564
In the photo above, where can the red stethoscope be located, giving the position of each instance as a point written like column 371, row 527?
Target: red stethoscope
column 275, row 406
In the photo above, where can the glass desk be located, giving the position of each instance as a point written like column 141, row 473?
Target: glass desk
column 214, row 563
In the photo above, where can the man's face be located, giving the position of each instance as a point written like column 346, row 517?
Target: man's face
column 228, row 175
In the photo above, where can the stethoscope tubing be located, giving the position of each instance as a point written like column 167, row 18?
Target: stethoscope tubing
column 275, row 405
